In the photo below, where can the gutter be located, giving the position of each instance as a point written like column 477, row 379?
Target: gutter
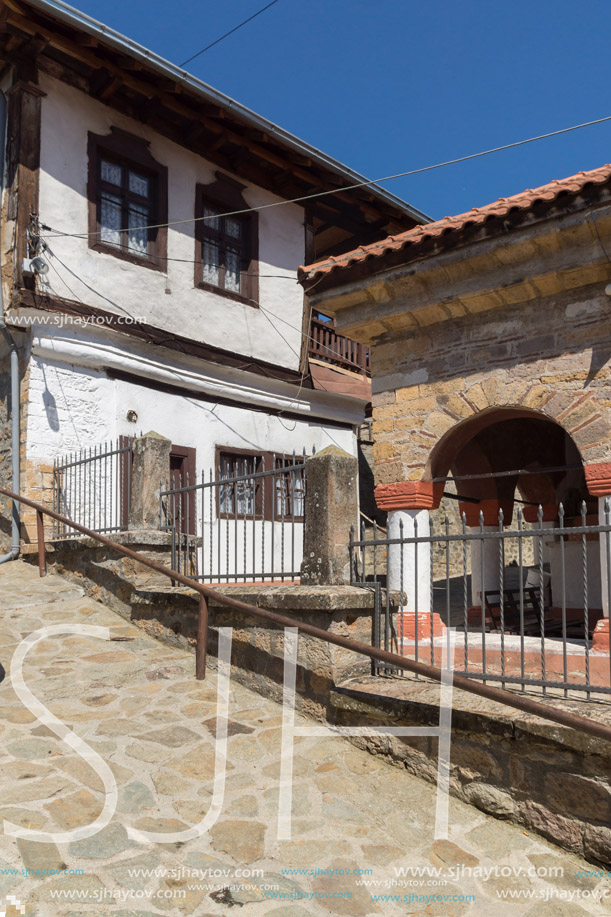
column 78, row 20
column 13, row 554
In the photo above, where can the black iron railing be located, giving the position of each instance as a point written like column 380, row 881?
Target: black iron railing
column 244, row 526
column 526, row 704
column 93, row 487
column 528, row 624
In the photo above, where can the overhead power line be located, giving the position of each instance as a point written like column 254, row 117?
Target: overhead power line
column 362, row 184
column 227, row 34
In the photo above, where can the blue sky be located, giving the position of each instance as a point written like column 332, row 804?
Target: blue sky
column 390, row 85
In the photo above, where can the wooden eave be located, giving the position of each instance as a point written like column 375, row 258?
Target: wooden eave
column 31, row 40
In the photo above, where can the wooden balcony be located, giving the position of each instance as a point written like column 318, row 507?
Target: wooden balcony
column 330, row 347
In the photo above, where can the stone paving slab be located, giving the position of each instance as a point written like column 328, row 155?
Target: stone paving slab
column 356, row 818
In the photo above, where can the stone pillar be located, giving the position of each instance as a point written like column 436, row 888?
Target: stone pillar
column 37, row 484
column 485, row 565
column 491, row 578
column 331, row 509
column 409, row 565
column 150, row 467
column 409, row 569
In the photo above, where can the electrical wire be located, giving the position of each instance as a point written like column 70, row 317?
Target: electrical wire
column 266, row 312
column 211, row 410
column 227, row 34
column 331, row 191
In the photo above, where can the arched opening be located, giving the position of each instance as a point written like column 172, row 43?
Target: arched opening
column 526, row 466
column 512, row 455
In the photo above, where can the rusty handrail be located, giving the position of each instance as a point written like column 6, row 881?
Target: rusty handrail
column 526, row 704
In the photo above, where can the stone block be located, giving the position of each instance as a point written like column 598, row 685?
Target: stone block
column 597, row 843
column 151, row 466
column 379, row 399
column 408, row 394
column 563, row 831
column 382, row 426
column 439, row 423
column 580, row 414
column 490, row 799
column 331, row 510
column 382, row 451
column 459, row 405
column 574, row 795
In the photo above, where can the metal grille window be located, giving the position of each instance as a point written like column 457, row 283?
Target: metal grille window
column 238, row 497
column 290, row 489
column 249, row 518
column 276, row 490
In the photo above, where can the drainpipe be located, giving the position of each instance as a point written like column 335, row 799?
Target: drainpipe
column 15, row 437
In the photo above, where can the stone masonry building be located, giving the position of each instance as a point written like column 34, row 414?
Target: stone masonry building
column 490, row 339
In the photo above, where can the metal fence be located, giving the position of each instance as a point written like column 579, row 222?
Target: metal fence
column 527, row 626
column 244, row 526
column 93, row 487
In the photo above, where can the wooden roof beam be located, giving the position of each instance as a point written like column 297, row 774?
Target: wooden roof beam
column 149, row 91
column 79, row 53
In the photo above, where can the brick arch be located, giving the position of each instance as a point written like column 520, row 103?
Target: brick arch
column 454, row 418
column 458, row 417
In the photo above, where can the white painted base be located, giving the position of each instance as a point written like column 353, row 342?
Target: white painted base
column 491, row 577
column 573, row 563
column 409, row 565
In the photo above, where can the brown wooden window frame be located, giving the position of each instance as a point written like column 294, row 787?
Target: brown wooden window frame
column 131, row 153
column 226, row 194
column 186, row 455
column 264, row 461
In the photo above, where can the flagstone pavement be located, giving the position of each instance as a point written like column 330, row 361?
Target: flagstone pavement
column 356, row 819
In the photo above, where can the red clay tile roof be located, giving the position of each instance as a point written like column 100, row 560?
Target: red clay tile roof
column 524, row 201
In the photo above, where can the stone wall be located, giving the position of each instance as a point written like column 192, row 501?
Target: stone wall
column 5, row 445
column 553, row 780
column 548, row 355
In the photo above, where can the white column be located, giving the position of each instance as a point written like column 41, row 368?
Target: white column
column 605, row 553
column 409, row 565
column 491, row 580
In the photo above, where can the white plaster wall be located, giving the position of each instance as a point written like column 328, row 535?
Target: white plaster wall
column 69, row 409
column 72, row 408
column 167, row 300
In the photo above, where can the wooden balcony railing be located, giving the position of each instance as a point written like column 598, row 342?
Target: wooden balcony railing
column 327, row 345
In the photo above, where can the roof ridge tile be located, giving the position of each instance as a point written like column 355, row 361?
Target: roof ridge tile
column 523, row 201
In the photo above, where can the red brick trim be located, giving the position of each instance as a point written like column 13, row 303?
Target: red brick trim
column 598, row 478
column 531, row 513
column 406, row 625
column 490, row 509
column 600, row 637
column 409, row 495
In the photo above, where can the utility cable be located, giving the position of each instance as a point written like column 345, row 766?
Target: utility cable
column 227, row 34
column 330, row 191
